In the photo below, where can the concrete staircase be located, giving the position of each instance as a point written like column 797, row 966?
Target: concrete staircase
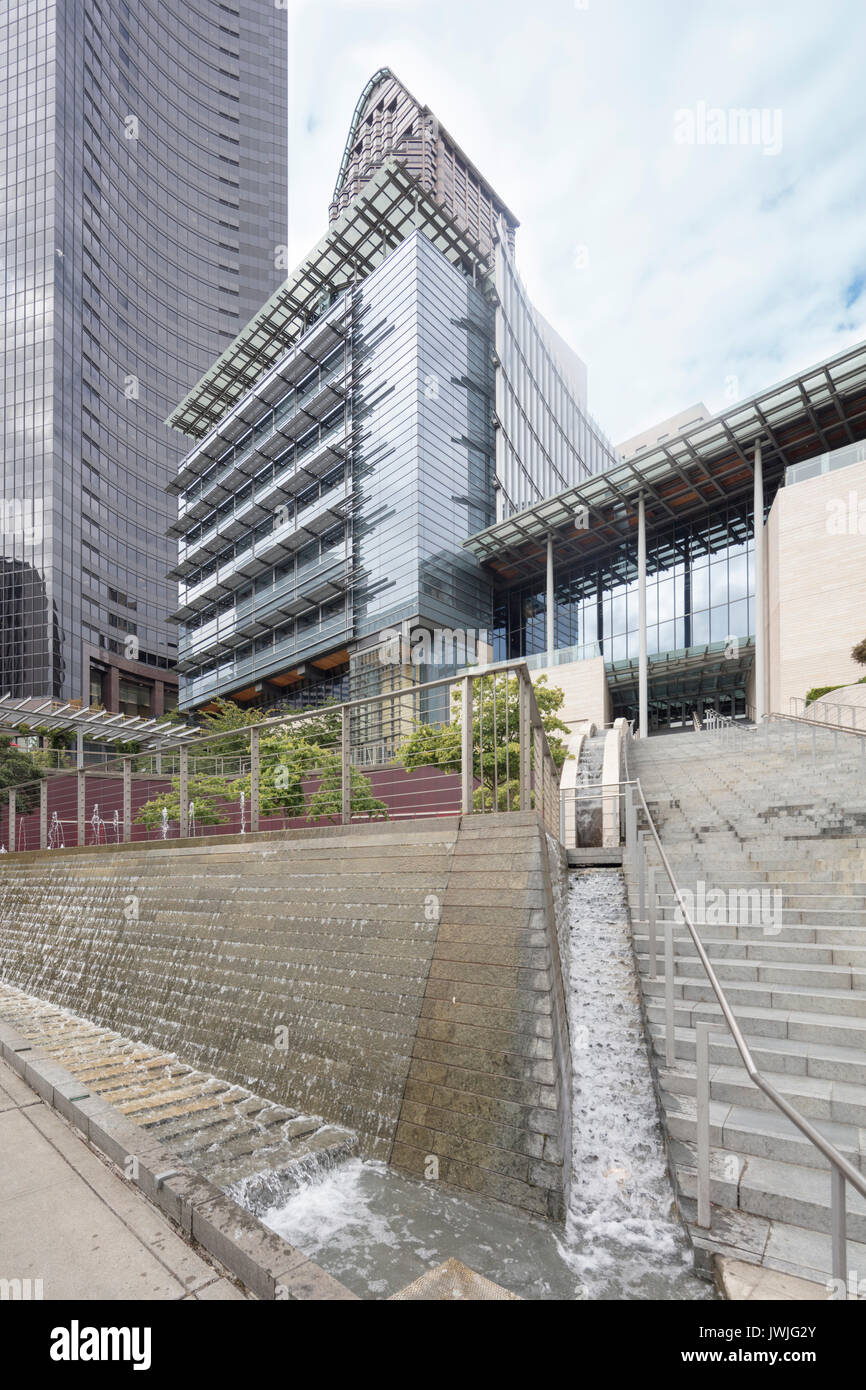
column 792, row 961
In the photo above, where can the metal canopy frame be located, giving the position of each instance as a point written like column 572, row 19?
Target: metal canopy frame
column 705, row 670
column 97, row 726
column 820, row 409
column 389, row 207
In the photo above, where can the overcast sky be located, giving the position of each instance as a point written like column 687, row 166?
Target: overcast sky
column 679, row 271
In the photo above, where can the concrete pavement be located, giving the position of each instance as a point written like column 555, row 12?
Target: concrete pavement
column 69, row 1220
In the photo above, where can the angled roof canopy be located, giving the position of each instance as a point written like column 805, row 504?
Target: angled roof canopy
column 386, row 211
column 813, row 412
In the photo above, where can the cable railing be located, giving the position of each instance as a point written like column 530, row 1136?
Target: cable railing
column 793, row 734
column 842, row 1172
column 470, row 744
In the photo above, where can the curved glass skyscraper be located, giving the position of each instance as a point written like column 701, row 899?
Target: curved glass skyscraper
column 145, row 186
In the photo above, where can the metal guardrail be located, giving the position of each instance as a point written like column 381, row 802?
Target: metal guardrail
column 737, row 735
column 311, row 768
column 841, row 1171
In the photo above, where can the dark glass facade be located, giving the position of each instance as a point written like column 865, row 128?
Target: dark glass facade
column 144, row 191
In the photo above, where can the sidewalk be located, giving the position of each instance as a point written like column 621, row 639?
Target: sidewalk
column 72, row 1222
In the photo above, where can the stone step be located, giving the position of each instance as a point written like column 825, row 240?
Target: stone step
column 787, row 1192
column 773, row 1244
column 789, row 1056
column 814, row 1097
column 837, row 1030
column 811, row 1001
column 767, row 972
column 746, row 1131
column 761, row 948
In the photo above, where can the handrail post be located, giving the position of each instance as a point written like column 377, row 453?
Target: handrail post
column 43, row 813
column 184, row 793
column 630, row 821
column 255, row 768
column 538, row 759
column 11, row 799
column 525, row 741
column 670, row 1049
column 127, row 799
column 346, row 767
column 641, row 874
column 651, row 922
column 81, row 776
column 466, row 747
column 838, row 1223
column 702, row 1118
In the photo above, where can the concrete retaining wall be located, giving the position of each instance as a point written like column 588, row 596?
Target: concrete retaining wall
column 399, row 980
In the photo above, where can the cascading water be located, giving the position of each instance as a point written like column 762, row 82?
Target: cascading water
column 588, row 817
column 377, row 1231
column 622, row 1237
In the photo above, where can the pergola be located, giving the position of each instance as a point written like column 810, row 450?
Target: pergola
column 94, row 726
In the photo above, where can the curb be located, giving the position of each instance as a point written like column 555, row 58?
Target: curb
column 267, row 1265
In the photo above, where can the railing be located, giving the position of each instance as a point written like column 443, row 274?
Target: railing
column 592, row 817
column 472, row 744
column 841, row 1171
column 562, row 656
column 791, row 734
column 852, row 718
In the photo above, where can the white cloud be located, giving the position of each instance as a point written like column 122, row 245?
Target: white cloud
column 705, row 262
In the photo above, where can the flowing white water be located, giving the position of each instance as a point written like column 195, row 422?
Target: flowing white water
column 622, row 1237
column 377, row 1231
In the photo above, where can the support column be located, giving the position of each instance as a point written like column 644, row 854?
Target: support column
column 550, row 610
column 760, row 592
column 346, row 766
column 43, row 813
column 183, row 780
column 643, row 681
column 11, row 798
column 466, row 760
column 255, row 800
column 127, row 799
column 82, row 794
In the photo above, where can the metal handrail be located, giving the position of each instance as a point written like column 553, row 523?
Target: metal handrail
column 815, row 723
column 841, row 1169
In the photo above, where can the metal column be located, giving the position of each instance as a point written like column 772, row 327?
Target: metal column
column 183, row 829
column 466, row 777
column 760, row 592
column 551, row 614
column 643, row 699
column 43, row 813
column 346, row 767
column 127, row 799
column 82, row 792
column 254, row 781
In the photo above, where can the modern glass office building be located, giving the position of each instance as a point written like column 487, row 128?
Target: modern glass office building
column 144, row 190
column 736, row 618
column 398, row 393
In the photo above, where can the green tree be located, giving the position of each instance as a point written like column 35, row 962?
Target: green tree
column 327, row 802
column 206, row 793
column 495, row 741
column 20, row 770
column 858, row 653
